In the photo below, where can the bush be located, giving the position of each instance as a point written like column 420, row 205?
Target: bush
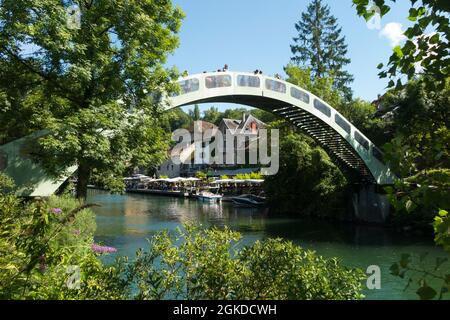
column 6, row 184
column 208, row 265
column 249, row 176
column 418, row 199
column 40, row 241
column 201, row 175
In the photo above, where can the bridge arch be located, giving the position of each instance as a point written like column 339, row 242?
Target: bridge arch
column 347, row 146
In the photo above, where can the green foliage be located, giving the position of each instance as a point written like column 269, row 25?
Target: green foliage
column 236, row 113
column 249, row 176
column 6, row 184
column 424, row 52
column 177, row 119
column 442, row 229
column 419, row 153
column 321, row 47
column 206, row 264
column 281, row 270
column 306, row 177
column 201, row 175
column 256, row 175
column 224, row 177
column 40, row 241
column 264, row 116
column 418, row 199
column 420, row 125
column 212, row 115
column 319, row 86
column 412, row 269
column 96, row 86
column 19, row 94
column 362, row 115
column 195, row 113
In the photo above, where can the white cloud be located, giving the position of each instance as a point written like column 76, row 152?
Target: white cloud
column 393, row 31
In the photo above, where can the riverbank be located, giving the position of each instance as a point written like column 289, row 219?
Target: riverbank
column 167, row 193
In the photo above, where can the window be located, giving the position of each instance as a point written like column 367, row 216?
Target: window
column 300, row 95
column 377, row 153
column 218, row 81
column 189, row 85
column 361, row 140
column 275, row 86
column 342, row 123
column 248, row 81
column 322, row 107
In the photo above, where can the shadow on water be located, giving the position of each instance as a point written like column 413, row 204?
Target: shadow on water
column 339, row 232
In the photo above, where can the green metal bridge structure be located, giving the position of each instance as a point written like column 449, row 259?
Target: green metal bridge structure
column 356, row 156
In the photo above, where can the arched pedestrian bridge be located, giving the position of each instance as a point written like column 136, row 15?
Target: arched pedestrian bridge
column 353, row 152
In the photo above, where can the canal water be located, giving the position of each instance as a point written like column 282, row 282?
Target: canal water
column 126, row 221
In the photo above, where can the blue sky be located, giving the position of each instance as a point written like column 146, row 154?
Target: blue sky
column 256, row 34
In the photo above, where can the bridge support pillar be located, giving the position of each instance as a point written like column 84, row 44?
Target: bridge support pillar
column 369, row 205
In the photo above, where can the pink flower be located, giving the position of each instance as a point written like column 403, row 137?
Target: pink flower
column 56, row 210
column 102, row 249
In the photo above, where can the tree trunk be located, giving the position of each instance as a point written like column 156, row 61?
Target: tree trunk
column 84, row 173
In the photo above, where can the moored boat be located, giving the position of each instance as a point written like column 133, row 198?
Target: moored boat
column 249, row 200
column 208, row 197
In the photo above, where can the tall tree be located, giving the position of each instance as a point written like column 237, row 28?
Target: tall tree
column 212, row 115
column 100, row 66
column 177, row 119
column 321, row 47
column 195, row 114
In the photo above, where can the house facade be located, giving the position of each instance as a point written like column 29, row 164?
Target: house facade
column 239, row 135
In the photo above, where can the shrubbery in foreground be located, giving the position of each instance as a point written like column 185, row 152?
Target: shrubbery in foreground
column 42, row 240
column 204, row 264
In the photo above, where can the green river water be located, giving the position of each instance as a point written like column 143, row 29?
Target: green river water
column 126, row 221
